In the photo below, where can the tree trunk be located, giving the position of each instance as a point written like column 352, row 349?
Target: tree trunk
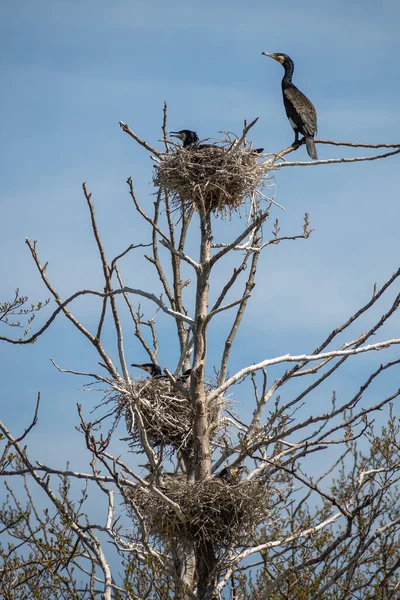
column 206, row 571
column 205, row 555
column 202, row 456
column 185, row 567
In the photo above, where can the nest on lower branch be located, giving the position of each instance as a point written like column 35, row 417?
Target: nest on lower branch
column 214, row 510
column 163, row 412
column 217, row 178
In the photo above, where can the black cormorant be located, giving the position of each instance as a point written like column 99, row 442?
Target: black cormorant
column 153, row 369
column 186, row 375
column 231, row 474
column 190, row 138
column 299, row 109
column 156, row 373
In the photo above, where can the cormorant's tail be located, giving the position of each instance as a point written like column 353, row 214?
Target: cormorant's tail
column 311, row 149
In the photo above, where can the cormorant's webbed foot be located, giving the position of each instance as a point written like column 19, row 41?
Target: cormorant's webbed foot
column 297, row 143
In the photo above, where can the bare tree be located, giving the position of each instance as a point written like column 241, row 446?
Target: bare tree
column 290, row 502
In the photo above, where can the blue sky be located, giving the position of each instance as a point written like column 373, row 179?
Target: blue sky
column 71, row 70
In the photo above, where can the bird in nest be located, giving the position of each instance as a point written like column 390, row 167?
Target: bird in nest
column 152, row 368
column 156, row 372
column 299, row 109
column 231, row 474
column 185, row 375
column 190, row 139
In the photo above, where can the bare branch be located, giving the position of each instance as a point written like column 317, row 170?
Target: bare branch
column 258, row 221
column 137, row 139
column 126, row 289
column 300, row 358
column 238, row 319
column 237, row 143
column 181, row 255
column 332, row 161
column 108, row 286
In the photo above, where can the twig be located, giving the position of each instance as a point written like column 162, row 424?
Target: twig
column 34, row 421
column 239, row 315
column 131, row 247
column 237, row 143
column 180, row 254
column 129, row 131
column 258, row 221
column 82, row 373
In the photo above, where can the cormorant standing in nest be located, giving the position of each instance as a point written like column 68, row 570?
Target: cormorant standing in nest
column 299, row 109
column 185, row 376
column 153, row 369
column 191, row 139
column 231, row 474
column 156, row 373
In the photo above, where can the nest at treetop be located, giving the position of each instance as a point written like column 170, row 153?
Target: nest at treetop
column 163, row 411
column 213, row 510
column 218, row 178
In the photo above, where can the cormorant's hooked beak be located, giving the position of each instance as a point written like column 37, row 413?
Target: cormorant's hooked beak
column 273, row 55
column 176, row 134
column 280, row 58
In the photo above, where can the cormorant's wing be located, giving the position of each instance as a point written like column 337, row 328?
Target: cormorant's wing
column 300, row 110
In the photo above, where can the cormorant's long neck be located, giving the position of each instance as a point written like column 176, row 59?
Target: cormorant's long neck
column 289, row 68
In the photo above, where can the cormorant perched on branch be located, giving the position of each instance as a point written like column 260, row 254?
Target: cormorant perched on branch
column 299, row 109
column 190, row 138
column 153, row 369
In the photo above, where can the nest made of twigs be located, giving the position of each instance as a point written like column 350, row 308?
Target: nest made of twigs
column 217, row 178
column 214, row 510
column 163, row 411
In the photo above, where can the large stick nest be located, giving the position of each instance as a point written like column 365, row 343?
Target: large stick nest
column 217, row 178
column 214, row 511
column 164, row 413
